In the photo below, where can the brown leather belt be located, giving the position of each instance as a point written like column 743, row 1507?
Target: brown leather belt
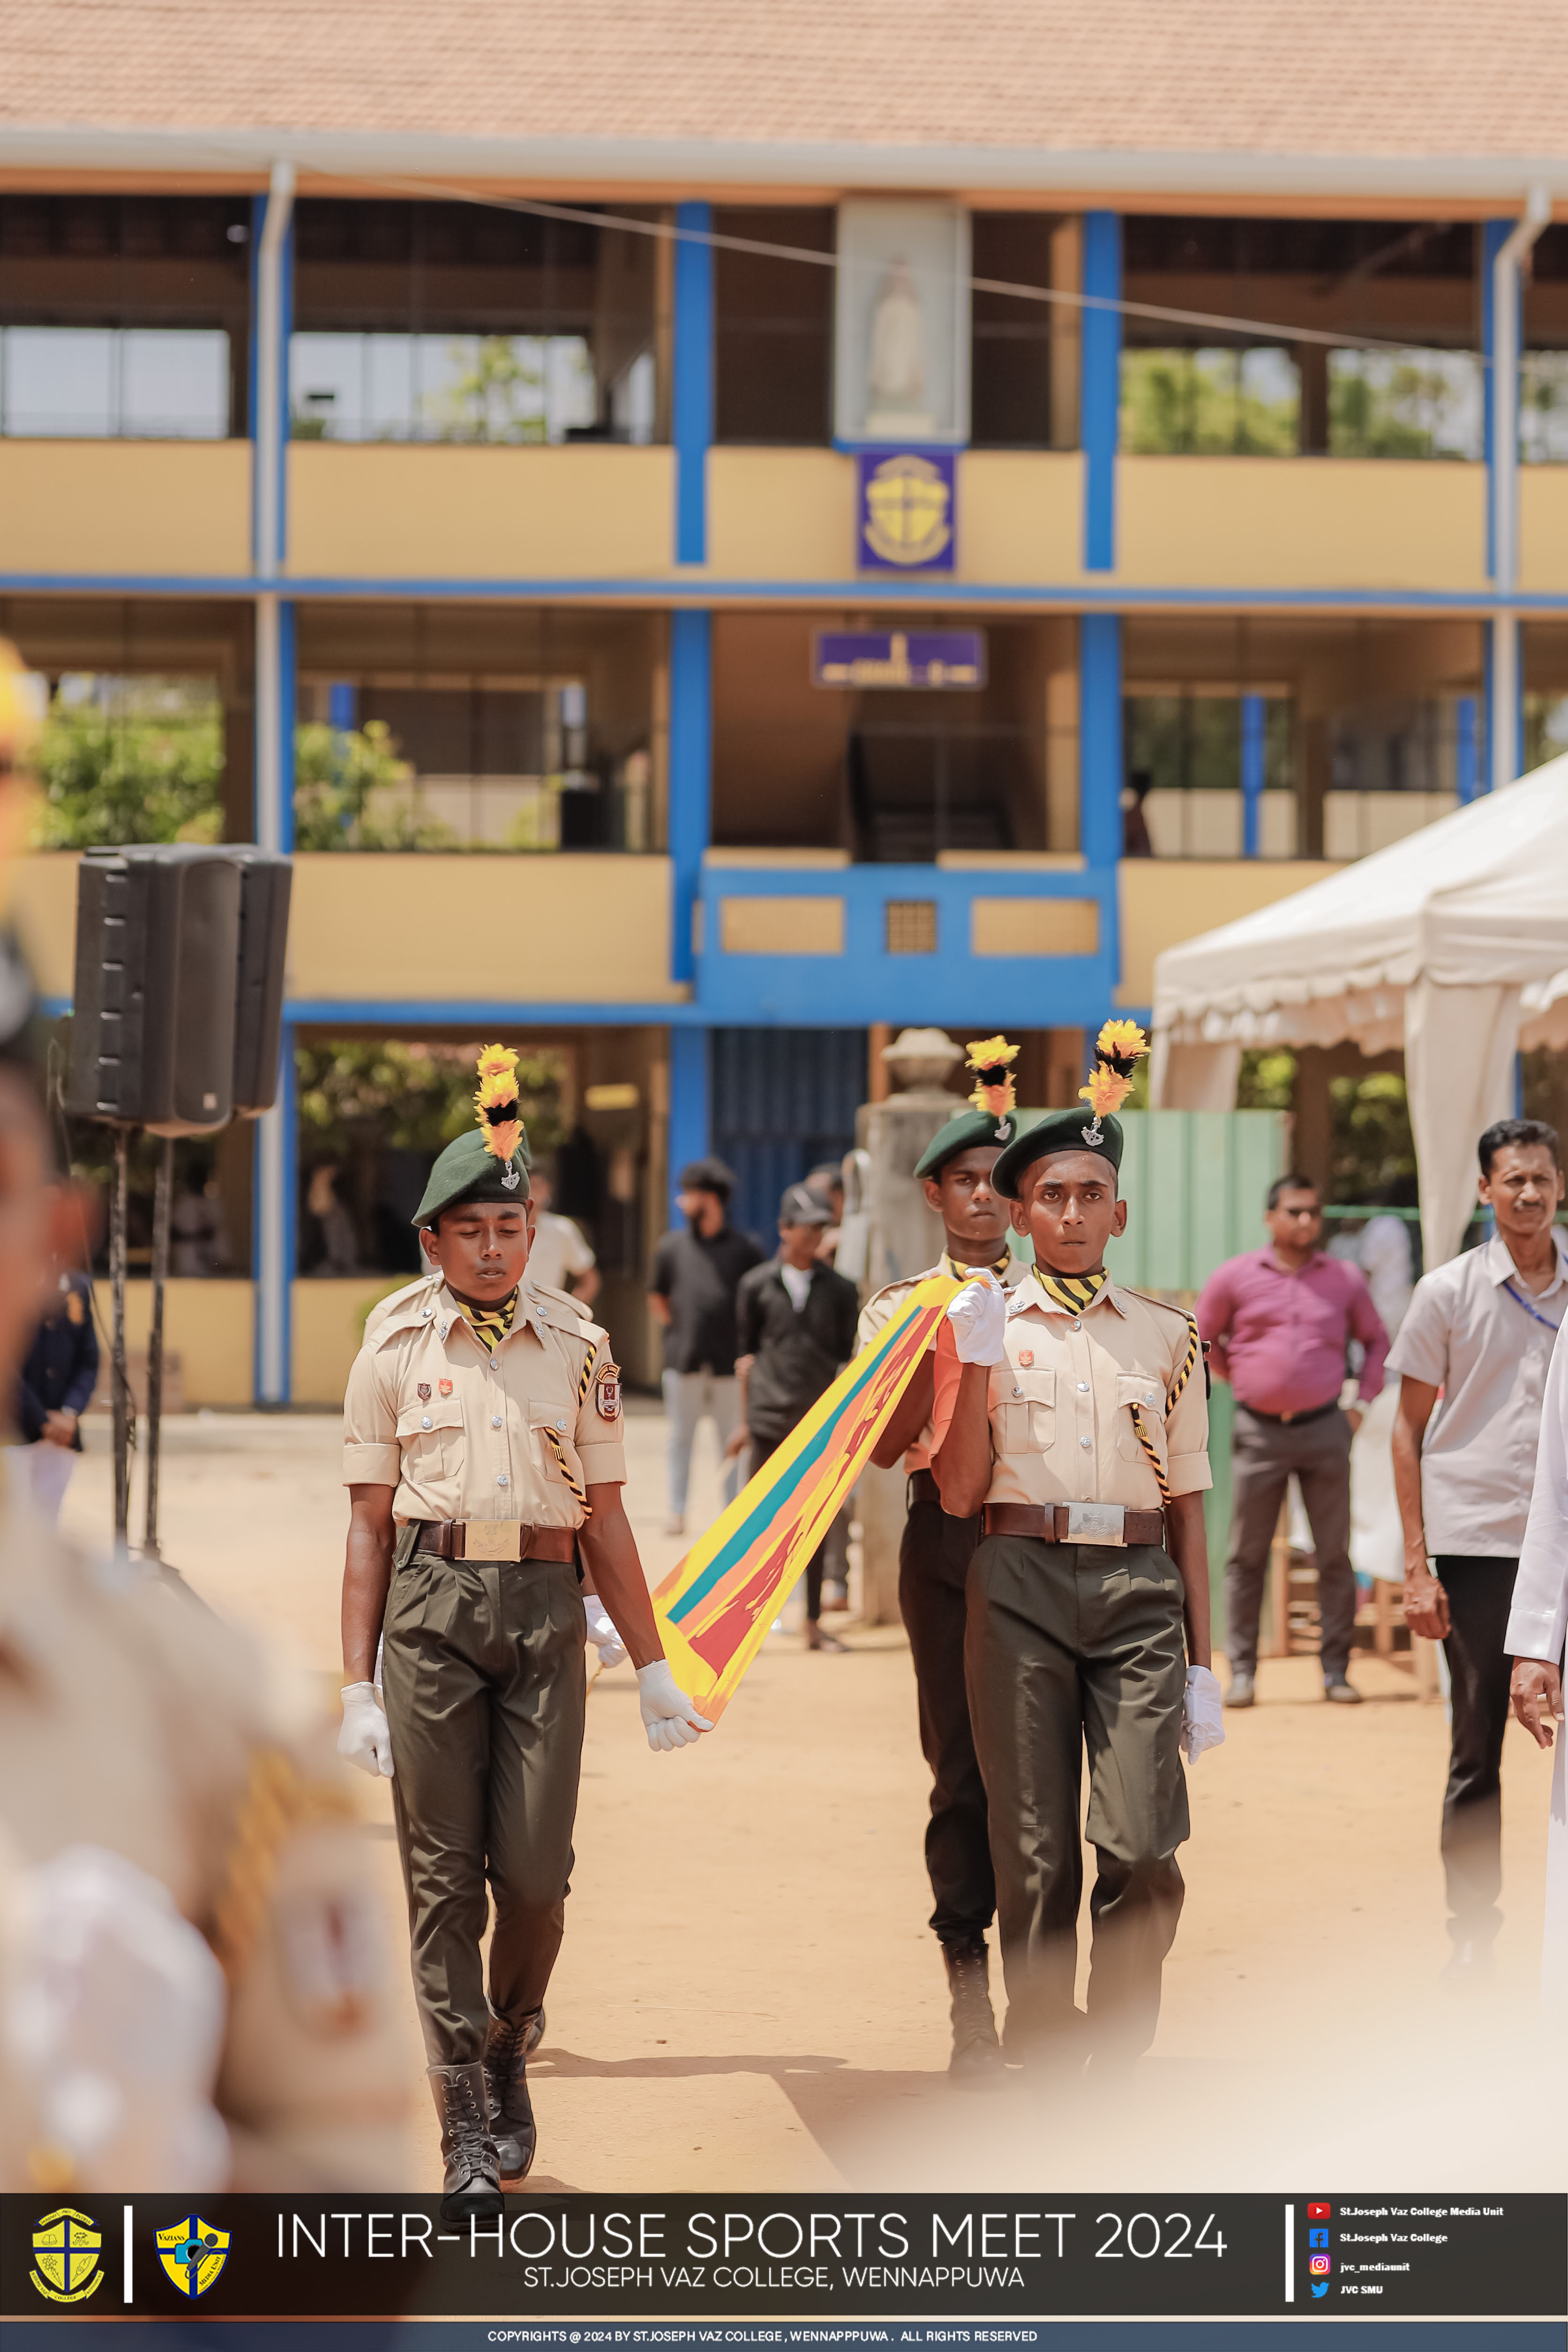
column 495, row 1539
column 923, row 1488
column 1075, row 1523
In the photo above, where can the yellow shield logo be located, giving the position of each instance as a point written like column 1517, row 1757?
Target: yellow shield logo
column 193, row 2253
column 906, row 511
column 66, row 2247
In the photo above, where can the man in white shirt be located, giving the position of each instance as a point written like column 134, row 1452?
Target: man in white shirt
column 1481, row 1330
column 1534, row 1638
column 559, row 1254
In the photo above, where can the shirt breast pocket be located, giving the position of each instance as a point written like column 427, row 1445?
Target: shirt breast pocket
column 551, row 1432
column 1026, row 1408
column 1138, row 1389
column 431, row 1436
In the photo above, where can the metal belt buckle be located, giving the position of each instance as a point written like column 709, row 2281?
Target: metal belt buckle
column 1096, row 1523
column 490, row 1539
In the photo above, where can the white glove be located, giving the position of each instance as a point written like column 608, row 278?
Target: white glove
column 602, row 1631
column 114, row 2025
column 1202, row 1717
column 365, row 1739
column 978, row 1317
column 669, row 1715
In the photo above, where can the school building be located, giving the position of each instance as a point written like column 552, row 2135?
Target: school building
column 714, row 536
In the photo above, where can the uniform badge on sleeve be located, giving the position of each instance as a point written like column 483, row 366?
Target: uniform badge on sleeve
column 607, row 1393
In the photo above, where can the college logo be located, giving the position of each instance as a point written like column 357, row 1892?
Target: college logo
column 607, row 1395
column 906, row 511
column 193, row 2253
column 1320, row 2265
column 66, row 2247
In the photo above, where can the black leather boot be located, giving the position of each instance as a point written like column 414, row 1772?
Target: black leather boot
column 535, row 2032
column 472, row 2181
column 977, row 2061
column 511, row 2110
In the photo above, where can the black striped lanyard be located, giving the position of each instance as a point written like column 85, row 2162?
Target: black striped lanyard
column 1529, row 1308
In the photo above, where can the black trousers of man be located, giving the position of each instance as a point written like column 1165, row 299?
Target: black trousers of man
column 1481, row 1594
column 933, row 1574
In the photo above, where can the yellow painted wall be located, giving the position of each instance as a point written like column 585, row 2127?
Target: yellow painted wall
column 158, row 507
column 1302, row 523
column 781, row 514
column 327, row 1322
column 1020, row 516
column 208, row 1325
column 1166, row 900
column 1544, row 528
column 564, row 929
column 585, row 510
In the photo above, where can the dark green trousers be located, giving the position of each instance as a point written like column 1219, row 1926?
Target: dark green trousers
column 483, row 1678
column 1070, row 1647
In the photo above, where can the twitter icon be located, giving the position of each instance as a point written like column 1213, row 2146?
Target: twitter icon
column 1320, row 2288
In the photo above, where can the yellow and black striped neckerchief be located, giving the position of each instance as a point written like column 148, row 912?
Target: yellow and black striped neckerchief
column 1074, row 1291
column 962, row 1272
column 490, row 1324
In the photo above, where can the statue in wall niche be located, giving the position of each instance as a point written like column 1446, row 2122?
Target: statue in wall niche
column 895, row 371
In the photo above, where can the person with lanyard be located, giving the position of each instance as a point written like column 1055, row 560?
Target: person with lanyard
column 483, row 1458
column 934, row 1555
column 1478, row 1333
column 1071, row 1414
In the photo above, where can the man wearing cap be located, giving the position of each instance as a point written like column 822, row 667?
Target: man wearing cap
column 795, row 1326
column 1071, row 1412
column 934, row 1554
column 691, row 1294
column 483, row 1458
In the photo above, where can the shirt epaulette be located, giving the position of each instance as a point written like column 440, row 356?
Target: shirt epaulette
column 547, row 1291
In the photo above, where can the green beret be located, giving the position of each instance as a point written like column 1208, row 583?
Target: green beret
column 468, row 1171
column 964, row 1133
column 1077, row 1129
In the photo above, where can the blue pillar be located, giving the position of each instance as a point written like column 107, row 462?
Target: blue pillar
column 1100, row 389
column 691, row 775
column 275, row 1193
column 1253, row 748
column 1466, row 749
column 690, row 1114
column 1100, row 761
column 691, row 392
column 1493, row 234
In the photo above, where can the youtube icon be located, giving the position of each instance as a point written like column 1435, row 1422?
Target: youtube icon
column 1318, row 2213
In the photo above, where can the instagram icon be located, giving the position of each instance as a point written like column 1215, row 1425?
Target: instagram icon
column 1320, row 2265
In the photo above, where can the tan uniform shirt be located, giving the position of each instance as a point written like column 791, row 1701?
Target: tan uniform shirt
column 133, row 1718
column 879, row 1311
column 464, row 1434
column 1063, row 1428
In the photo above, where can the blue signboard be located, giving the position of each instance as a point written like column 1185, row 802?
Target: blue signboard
column 943, row 659
column 906, row 510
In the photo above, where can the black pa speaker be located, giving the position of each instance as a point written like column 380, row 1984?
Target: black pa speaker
column 264, row 880
column 158, row 935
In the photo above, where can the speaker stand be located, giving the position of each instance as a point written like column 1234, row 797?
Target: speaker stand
column 162, row 1202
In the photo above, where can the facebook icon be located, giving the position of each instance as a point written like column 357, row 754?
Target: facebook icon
column 1317, row 2237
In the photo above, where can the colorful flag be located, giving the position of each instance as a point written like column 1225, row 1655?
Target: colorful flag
column 715, row 1607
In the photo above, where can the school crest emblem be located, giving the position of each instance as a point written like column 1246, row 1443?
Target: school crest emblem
column 193, row 2253
column 423, row 1389
column 66, row 2248
column 444, row 1386
column 607, row 1393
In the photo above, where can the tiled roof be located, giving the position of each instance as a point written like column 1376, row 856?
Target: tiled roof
column 1478, row 79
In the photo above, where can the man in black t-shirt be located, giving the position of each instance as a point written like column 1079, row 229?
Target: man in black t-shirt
column 691, row 1291
column 795, row 1326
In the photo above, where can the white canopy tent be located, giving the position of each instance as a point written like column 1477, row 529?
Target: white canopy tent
column 1452, row 942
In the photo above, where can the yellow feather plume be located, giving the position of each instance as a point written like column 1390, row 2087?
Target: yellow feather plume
column 993, row 1093
column 495, row 1101
column 1106, row 1090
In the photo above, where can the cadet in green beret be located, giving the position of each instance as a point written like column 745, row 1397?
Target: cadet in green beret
column 1070, row 1414
column 484, row 1460
column 933, row 1560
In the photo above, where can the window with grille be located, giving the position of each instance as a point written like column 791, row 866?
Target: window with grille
column 911, row 926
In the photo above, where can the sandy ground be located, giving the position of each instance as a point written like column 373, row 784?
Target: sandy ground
column 748, row 1997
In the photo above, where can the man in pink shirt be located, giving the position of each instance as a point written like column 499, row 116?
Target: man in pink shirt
column 1278, row 1322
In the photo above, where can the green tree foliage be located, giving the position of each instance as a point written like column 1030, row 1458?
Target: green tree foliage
column 1403, row 405
column 141, row 759
column 1372, row 1154
column 500, row 397
column 411, row 1097
column 351, row 791
column 1201, row 404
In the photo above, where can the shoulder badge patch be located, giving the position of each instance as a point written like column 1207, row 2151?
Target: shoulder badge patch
column 424, row 1391
column 607, row 1392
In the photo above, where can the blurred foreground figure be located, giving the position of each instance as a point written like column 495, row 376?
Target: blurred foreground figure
column 193, row 1991
column 53, row 1389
